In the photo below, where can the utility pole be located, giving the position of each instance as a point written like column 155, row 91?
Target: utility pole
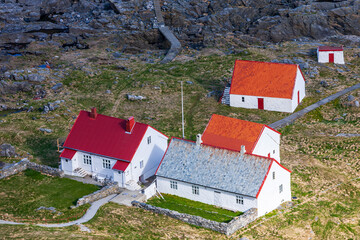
column 182, row 111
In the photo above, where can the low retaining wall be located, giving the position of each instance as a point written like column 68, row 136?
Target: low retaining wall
column 25, row 164
column 113, row 188
column 225, row 228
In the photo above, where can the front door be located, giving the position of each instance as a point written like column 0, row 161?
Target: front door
column 331, row 57
column 217, row 198
column 260, row 103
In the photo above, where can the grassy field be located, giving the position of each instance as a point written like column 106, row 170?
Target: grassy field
column 22, row 194
column 319, row 160
column 184, row 205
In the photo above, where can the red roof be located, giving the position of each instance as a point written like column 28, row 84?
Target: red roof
column 121, row 165
column 263, row 79
column 67, row 153
column 231, row 133
column 330, row 48
column 105, row 136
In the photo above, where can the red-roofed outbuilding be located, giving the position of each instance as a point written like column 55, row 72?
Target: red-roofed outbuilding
column 231, row 133
column 111, row 148
column 265, row 85
column 330, row 54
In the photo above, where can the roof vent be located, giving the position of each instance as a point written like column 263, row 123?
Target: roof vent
column 130, row 122
column 242, row 151
column 198, row 139
column 93, row 113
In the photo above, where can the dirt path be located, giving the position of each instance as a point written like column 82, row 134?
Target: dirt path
column 289, row 119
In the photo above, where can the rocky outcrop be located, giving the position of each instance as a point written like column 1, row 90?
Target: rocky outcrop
column 7, row 150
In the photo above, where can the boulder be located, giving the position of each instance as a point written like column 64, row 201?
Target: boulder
column 7, row 150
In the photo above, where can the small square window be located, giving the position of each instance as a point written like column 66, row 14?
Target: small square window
column 280, row 188
column 106, row 164
column 274, row 152
column 173, row 185
column 195, row 190
column 141, row 164
column 149, row 139
column 66, row 160
column 243, row 99
column 273, row 175
column 239, row 200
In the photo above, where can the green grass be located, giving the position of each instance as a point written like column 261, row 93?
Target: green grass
column 184, row 205
column 22, row 194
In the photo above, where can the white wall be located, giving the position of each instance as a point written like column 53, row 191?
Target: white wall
column 267, row 143
column 206, row 195
column 269, row 197
column 270, row 104
column 299, row 86
column 323, row 56
column 67, row 165
column 151, row 155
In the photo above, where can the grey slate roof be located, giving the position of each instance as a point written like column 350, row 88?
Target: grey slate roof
column 214, row 167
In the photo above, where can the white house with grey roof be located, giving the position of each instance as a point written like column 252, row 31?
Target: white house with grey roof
column 229, row 179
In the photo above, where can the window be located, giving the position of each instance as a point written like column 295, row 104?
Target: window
column 280, row 188
column 195, row 190
column 87, row 159
column 149, row 139
column 106, row 163
column 239, row 200
column 141, row 164
column 273, row 175
column 173, row 185
column 243, row 99
column 66, row 160
column 274, row 152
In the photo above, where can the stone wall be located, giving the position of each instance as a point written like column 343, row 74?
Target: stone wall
column 225, row 228
column 112, row 188
column 45, row 169
column 13, row 169
column 25, row 164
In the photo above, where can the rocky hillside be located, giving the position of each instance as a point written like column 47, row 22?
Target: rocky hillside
column 68, row 23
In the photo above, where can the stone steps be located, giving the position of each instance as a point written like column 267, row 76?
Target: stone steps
column 81, row 172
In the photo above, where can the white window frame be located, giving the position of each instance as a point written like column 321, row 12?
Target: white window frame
column 195, row 190
column 141, row 163
column 106, row 164
column 87, row 159
column 239, row 199
column 149, row 139
column 281, row 188
column 173, row 185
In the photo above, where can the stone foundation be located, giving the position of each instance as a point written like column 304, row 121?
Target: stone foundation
column 225, row 228
column 112, row 188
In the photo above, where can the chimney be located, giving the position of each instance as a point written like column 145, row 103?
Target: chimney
column 130, row 122
column 242, row 151
column 93, row 113
column 198, row 139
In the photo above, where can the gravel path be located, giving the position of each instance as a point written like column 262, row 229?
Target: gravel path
column 289, row 119
column 90, row 213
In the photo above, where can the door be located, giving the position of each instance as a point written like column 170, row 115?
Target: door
column 260, row 103
column 298, row 97
column 331, row 57
column 217, row 198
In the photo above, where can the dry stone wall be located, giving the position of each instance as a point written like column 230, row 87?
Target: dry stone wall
column 112, row 188
column 225, row 228
column 25, row 164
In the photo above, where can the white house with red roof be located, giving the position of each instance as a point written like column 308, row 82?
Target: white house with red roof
column 228, row 179
column 110, row 148
column 329, row 54
column 265, row 85
column 232, row 134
